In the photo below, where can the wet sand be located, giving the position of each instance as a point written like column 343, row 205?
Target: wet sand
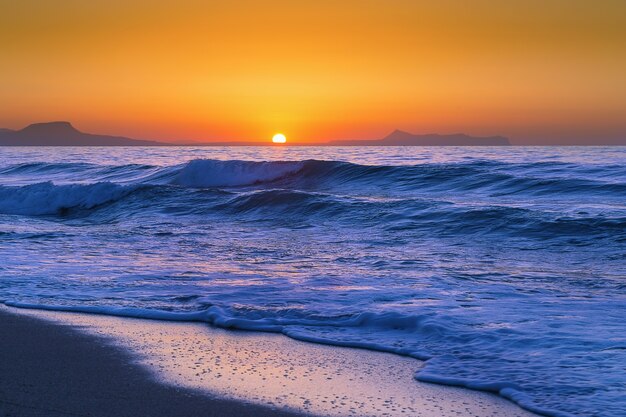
column 85, row 364
column 52, row 370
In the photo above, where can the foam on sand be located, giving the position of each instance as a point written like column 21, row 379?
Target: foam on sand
column 274, row 370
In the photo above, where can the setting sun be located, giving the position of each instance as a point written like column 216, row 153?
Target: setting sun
column 279, row 138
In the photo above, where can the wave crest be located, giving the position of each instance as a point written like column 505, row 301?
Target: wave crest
column 47, row 198
column 205, row 173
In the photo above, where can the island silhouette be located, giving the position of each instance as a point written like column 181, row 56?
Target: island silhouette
column 401, row 138
column 64, row 134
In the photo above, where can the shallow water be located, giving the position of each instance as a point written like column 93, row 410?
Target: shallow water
column 504, row 267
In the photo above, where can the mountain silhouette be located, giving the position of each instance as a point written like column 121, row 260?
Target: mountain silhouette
column 64, row 134
column 401, row 138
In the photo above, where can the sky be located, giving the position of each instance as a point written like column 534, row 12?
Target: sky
column 539, row 72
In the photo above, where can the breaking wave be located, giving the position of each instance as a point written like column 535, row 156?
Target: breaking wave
column 418, row 197
column 47, row 198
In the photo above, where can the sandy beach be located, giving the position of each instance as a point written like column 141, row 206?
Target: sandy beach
column 76, row 364
column 52, row 370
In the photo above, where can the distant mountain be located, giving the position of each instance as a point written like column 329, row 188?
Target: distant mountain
column 400, row 138
column 64, row 134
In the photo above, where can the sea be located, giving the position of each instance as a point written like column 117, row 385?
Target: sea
column 504, row 268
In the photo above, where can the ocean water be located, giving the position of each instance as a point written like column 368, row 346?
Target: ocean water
column 504, row 268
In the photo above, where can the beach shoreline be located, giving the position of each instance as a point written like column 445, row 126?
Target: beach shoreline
column 48, row 370
column 148, row 367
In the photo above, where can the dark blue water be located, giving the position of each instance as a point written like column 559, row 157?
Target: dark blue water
column 505, row 268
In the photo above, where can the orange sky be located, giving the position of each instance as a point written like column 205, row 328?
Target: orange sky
column 318, row 70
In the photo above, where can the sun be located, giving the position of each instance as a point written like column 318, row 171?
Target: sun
column 279, row 138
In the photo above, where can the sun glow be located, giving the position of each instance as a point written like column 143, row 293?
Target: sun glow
column 279, row 138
